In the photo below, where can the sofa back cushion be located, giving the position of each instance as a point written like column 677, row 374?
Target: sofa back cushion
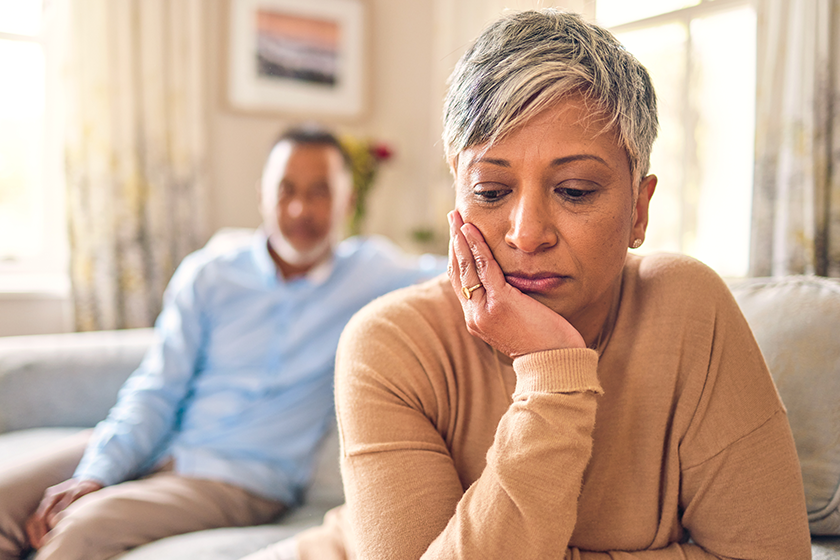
column 65, row 379
column 326, row 488
column 796, row 321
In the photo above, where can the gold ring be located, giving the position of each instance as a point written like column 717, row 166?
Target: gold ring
column 468, row 291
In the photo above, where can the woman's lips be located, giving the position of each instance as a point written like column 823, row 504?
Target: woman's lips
column 534, row 283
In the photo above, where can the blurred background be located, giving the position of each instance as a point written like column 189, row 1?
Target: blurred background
column 131, row 131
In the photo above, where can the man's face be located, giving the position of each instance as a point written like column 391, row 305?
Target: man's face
column 304, row 197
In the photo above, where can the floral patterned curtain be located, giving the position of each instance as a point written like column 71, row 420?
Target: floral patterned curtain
column 135, row 158
column 796, row 205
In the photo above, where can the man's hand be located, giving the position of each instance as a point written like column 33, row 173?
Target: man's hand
column 496, row 312
column 56, row 499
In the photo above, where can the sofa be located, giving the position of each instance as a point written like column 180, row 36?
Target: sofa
column 55, row 385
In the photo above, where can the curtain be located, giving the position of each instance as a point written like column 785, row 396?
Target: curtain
column 796, row 204
column 135, row 155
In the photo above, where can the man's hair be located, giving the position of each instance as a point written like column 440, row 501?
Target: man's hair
column 528, row 61
column 313, row 134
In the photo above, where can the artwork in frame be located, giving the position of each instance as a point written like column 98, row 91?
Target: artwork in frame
column 298, row 57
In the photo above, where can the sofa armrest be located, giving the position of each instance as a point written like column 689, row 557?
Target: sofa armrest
column 65, row 379
column 795, row 320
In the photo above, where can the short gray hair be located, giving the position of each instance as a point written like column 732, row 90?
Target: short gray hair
column 527, row 61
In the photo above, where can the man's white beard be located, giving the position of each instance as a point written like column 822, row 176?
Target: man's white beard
column 293, row 256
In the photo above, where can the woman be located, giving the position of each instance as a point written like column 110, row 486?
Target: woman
column 554, row 396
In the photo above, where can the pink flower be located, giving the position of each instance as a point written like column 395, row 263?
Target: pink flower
column 381, row 152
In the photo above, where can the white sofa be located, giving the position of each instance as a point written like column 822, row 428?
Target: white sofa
column 52, row 385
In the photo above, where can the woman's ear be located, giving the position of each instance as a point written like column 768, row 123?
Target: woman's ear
column 640, row 211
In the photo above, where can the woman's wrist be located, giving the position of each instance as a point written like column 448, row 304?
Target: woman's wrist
column 567, row 370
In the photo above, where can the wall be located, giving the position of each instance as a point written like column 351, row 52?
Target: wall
column 413, row 46
column 34, row 313
column 400, row 39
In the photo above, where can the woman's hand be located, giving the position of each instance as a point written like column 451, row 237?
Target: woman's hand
column 496, row 312
column 55, row 501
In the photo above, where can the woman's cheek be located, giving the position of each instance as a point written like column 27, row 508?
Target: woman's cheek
column 481, row 220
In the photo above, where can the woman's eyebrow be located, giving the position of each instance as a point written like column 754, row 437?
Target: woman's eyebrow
column 578, row 157
column 492, row 161
column 554, row 163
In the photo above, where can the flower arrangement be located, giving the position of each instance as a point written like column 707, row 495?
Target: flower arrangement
column 365, row 157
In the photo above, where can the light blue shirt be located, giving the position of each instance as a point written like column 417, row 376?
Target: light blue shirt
column 238, row 386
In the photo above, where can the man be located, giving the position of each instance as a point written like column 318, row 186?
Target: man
column 219, row 424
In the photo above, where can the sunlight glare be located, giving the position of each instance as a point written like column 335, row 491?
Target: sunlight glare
column 21, row 17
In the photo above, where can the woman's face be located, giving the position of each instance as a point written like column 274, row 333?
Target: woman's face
column 556, row 205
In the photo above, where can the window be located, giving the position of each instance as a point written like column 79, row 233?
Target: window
column 32, row 239
column 701, row 56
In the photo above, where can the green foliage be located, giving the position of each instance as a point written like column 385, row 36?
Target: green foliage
column 366, row 156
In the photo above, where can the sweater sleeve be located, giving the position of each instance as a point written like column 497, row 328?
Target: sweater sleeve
column 404, row 496
column 524, row 505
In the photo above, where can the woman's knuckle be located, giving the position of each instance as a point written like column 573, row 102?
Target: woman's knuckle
column 481, row 263
column 474, row 330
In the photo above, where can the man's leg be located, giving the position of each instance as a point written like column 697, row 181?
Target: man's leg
column 22, row 486
column 107, row 522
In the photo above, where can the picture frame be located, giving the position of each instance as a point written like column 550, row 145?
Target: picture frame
column 297, row 57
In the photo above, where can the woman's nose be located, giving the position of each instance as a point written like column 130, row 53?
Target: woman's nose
column 531, row 226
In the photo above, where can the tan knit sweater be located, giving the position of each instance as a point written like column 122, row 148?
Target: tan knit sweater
column 675, row 431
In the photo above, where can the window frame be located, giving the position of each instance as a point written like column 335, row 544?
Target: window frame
column 45, row 273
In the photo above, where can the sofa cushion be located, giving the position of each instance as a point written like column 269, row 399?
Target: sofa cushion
column 796, row 321
column 326, row 488
column 825, row 548
column 230, row 543
column 65, row 379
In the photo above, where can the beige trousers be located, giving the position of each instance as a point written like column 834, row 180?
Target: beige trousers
column 105, row 523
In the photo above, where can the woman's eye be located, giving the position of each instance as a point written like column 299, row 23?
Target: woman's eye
column 490, row 194
column 574, row 193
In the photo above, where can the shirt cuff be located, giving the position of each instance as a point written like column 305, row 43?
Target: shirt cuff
column 96, row 470
column 570, row 370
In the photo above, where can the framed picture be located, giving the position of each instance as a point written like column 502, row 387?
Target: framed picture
column 300, row 57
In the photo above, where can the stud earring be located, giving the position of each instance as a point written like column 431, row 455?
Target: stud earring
column 636, row 244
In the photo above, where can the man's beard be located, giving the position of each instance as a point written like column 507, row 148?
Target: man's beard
column 289, row 254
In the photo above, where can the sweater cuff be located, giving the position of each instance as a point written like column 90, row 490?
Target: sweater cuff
column 570, row 370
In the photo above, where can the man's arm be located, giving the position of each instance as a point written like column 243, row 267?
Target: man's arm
column 146, row 407
column 148, row 404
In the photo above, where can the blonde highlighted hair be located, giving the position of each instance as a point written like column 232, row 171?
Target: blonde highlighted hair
column 528, row 61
